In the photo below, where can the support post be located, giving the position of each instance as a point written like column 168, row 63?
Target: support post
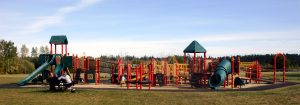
column 50, row 48
column 194, row 62
column 251, row 68
column 150, row 75
column 51, row 67
column 165, row 72
column 62, row 50
column 204, row 68
column 284, row 61
column 141, row 75
column 225, row 81
column 99, row 70
column 239, row 65
column 176, row 77
column 66, row 49
column 54, row 48
column 128, row 76
column 84, row 68
column 257, row 71
column 274, row 78
column 74, row 66
column 136, row 77
column 232, row 72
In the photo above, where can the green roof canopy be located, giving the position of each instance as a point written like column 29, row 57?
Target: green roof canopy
column 194, row 47
column 59, row 39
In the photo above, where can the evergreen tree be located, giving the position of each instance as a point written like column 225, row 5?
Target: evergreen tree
column 24, row 51
column 34, row 52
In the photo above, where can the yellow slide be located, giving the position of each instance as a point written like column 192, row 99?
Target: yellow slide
column 144, row 75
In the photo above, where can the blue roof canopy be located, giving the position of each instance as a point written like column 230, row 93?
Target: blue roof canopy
column 194, row 47
column 58, row 39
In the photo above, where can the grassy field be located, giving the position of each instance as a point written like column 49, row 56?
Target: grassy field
column 287, row 95
column 8, row 79
column 290, row 76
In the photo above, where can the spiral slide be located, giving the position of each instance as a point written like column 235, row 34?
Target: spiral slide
column 223, row 68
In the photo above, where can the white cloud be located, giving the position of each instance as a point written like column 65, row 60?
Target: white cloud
column 42, row 22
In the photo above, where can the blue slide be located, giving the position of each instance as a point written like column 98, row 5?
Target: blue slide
column 223, row 68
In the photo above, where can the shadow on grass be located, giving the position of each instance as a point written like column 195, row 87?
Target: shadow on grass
column 9, row 85
column 47, row 91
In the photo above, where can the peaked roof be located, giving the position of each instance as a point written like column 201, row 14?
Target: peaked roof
column 59, row 39
column 194, row 47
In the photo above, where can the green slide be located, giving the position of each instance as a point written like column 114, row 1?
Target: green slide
column 223, row 68
column 58, row 69
column 36, row 72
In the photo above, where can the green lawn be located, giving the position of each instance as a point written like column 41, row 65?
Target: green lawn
column 7, row 79
column 287, row 95
column 290, row 76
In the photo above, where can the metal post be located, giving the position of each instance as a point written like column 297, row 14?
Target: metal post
column 141, row 75
column 257, row 72
column 99, row 70
column 136, row 77
column 194, row 62
column 66, row 49
column 84, row 68
column 54, row 48
column 284, row 60
column 165, row 73
column 62, row 50
column 232, row 72
column 74, row 66
column 112, row 74
column 128, row 76
column 225, row 81
column 176, row 67
column 150, row 75
column 51, row 67
column 239, row 65
column 251, row 68
column 274, row 78
column 119, row 71
column 204, row 68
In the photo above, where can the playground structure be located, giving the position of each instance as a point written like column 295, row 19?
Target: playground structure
column 198, row 72
column 61, row 62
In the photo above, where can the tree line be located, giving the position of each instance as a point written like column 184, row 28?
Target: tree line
column 25, row 61
column 12, row 62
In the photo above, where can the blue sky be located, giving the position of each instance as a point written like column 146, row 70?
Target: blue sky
column 155, row 27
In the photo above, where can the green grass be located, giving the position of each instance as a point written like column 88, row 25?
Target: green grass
column 8, row 79
column 287, row 95
column 9, row 96
column 290, row 76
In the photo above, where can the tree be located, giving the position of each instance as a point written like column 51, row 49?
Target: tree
column 24, row 51
column 46, row 50
column 42, row 50
column 34, row 52
column 7, row 52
